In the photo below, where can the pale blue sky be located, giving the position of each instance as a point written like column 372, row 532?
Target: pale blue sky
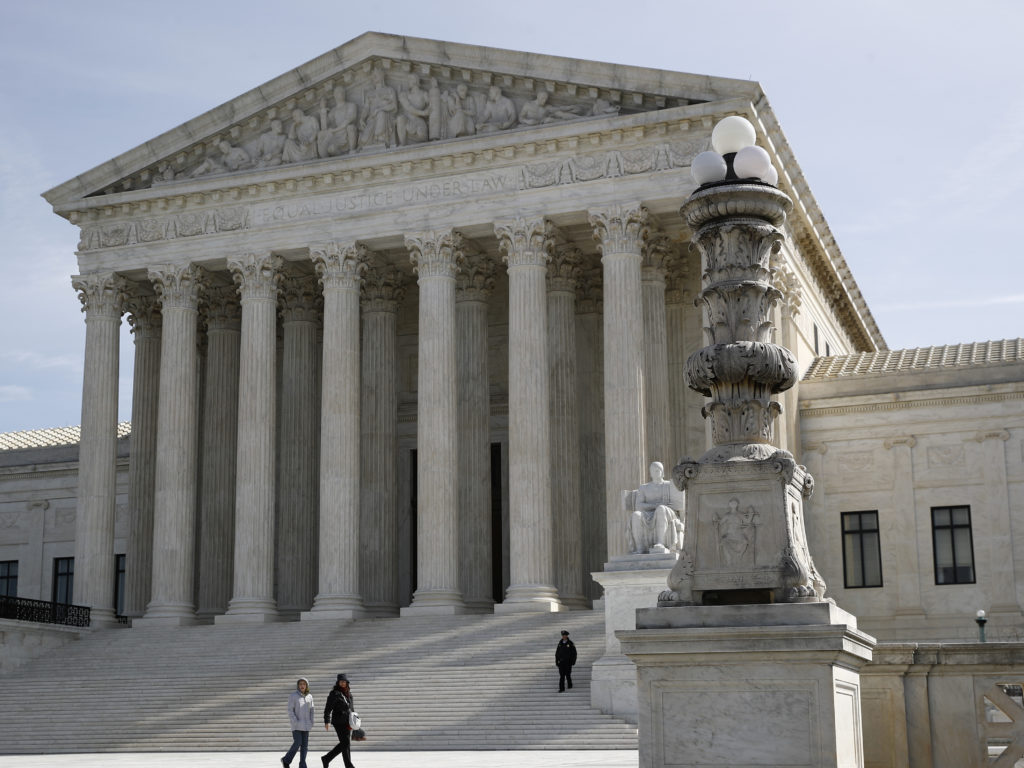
column 906, row 117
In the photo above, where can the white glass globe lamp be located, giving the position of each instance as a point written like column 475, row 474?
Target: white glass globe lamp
column 732, row 134
column 772, row 177
column 751, row 163
column 708, row 167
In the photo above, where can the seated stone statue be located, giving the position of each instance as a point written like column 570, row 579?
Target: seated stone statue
column 653, row 525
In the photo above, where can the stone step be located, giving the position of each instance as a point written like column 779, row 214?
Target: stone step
column 465, row 682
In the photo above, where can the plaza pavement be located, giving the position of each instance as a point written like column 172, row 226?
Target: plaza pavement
column 607, row 758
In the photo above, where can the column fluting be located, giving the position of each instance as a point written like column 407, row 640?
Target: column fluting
column 567, row 521
column 146, row 324
column 474, row 286
column 527, row 245
column 340, row 268
column 436, row 256
column 252, row 596
column 102, row 297
column 658, row 418
column 382, row 292
column 620, row 232
column 298, row 491
column 219, row 440
column 174, row 505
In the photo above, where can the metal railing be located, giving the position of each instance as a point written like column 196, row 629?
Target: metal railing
column 43, row 612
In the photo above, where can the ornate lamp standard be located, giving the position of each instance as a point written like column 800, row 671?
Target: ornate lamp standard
column 745, row 539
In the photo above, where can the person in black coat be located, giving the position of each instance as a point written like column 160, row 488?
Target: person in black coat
column 336, row 711
column 565, row 658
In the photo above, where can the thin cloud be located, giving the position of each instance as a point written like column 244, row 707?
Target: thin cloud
column 10, row 393
column 950, row 303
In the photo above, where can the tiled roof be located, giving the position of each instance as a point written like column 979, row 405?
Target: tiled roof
column 979, row 353
column 46, row 438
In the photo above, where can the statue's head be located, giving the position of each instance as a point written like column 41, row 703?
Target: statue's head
column 657, row 470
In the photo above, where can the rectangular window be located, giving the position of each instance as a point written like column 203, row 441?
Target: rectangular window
column 862, row 551
column 9, row 578
column 953, row 544
column 815, row 339
column 63, row 580
column 119, row 584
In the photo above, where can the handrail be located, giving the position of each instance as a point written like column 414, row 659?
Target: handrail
column 44, row 612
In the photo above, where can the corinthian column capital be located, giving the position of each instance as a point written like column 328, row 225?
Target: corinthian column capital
column 435, row 254
column 658, row 254
column 564, row 269
column 143, row 313
column 526, row 242
column 221, row 308
column 476, row 280
column 102, row 295
column 339, row 265
column 300, row 299
column 178, row 287
column 257, row 275
column 620, row 229
column 383, row 289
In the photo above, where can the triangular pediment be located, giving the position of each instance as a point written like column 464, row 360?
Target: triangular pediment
column 378, row 93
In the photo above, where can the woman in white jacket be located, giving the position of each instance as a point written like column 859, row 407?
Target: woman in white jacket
column 300, row 713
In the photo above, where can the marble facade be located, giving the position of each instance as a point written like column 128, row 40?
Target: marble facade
column 404, row 330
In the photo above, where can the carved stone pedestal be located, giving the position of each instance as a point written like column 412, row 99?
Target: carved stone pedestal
column 630, row 582
column 745, row 540
column 766, row 685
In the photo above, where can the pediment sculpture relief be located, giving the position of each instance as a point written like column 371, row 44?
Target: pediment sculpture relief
column 391, row 110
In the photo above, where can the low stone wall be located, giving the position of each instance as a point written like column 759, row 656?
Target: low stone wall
column 22, row 641
column 943, row 705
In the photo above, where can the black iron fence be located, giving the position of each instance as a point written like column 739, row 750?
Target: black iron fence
column 23, row 609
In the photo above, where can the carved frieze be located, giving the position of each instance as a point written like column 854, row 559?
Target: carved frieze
column 382, row 105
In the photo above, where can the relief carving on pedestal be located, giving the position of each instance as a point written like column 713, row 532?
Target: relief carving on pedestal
column 736, row 530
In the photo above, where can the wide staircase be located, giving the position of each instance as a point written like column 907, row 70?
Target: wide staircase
column 420, row 683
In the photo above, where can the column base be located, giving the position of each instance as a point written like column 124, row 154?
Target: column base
column 335, row 607
column 533, row 598
column 436, row 602
column 102, row 618
column 480, row 606
column 249, row 610
column 784, row 677
column 167, row 615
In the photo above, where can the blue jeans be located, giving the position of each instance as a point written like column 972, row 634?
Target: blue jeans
column 300, row 744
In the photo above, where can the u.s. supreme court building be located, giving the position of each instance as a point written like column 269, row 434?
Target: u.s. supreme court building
column 409, row 318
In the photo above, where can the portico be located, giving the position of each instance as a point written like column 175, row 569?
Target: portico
column 410, row 375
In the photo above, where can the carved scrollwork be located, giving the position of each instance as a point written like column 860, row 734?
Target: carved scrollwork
column 768, row 367
column 620, row 229
column 435, row 254
column 257, row 275
column 178, row 287
column 339, row 266
column 102, row 295
column 525, row 242
column 383, row 289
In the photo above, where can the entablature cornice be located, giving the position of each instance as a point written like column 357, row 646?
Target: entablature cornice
column 944, row 398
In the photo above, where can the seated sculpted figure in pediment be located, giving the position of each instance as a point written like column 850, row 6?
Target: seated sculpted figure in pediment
column 653, row 525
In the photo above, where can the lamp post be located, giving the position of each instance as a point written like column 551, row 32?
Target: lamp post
column 981, row 621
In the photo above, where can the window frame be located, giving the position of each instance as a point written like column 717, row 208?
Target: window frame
column 859, row 533
column 7, row 578
column 952, row 527
column 66, row 575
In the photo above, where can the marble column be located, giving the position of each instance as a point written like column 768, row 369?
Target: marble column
column 684, row 336
column 102, row 297
column 657, row 252
column 590, row 395
column 298, row 491
column 474, row 286
column 567, row 519
column 340, row 268
column 145, row 320
column 382, row 292
column 252, row 596
column 219, row 440
column 527, row 244
column 174, row 504
column 620, row 232
column 436, row 257
column 787, row 434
